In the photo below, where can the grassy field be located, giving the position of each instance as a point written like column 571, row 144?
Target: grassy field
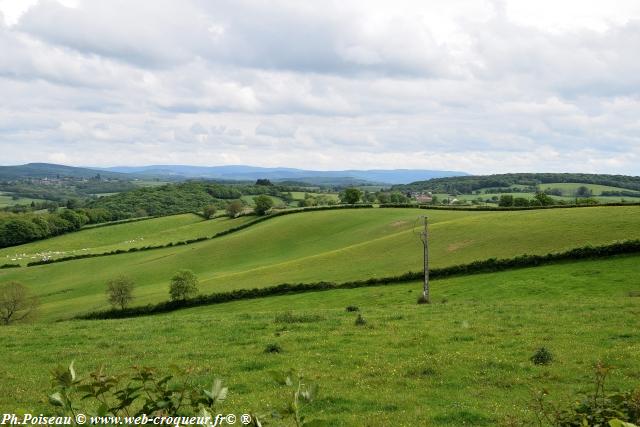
column 6, row 199
column 120, row 236
column 277, row 201
column 337, row 245
column 463, row 360
column 299, row 195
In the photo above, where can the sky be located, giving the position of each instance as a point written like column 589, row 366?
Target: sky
column 478, row 86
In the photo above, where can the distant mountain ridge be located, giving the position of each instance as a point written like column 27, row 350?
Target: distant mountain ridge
column 226, row 173
column 242, row 172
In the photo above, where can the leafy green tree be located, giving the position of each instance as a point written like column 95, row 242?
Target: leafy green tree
column 263, row 204
column 234, row 208
column 584, row 192
column 184, row 285
column 16, row 303
column 520, row 202
column 209, row 211
column 544, row 199
column 350, row 195
column 506, row 200
column 120, row 291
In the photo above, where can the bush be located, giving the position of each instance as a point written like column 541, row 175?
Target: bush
column 263, row 204
column 601, row 408
column 352, row 308
column 360, row 321
column 184, row 285
column 273, row 348
column 542, row 356
column 209, row 211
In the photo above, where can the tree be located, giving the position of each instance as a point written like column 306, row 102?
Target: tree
column 263, row 204
column 350, row 195
column 583, row 191
column 544, row 199
column 234, row 208
column 263, row 182
column 16, row 303
column 184, row 285
column 120, row 291
column 506, row 200
column 209, row 211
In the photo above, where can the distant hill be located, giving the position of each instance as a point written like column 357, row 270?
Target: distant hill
column 470, row 183
column 249, row 173
column 48, row 170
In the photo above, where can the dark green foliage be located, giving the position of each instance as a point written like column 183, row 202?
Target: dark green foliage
column 209, row 211
column 468, row 184
column 485, row 266
column 184, row 285
column 273, row 348
column 9, row 266
column 263, row 204
column 234, row 208
column 360, row 321
column 352, row 308
column 600, row 408
column 350, row 196
column 143, row 391
column 542, row 356
column 263, row 182
column 506, row 200
column 120, row 291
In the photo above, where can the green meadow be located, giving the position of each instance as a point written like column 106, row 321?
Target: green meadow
column 155, row 231
column 463, row 360
column 335, row 245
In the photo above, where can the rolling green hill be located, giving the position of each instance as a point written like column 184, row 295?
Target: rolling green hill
column 137, row 234
column 336, row 245
column 463, row 360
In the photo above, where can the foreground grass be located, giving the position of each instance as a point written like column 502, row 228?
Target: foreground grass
column 463, row 360
column 155, row 231
column 330, row 245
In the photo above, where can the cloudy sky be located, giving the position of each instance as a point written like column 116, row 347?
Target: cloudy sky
column 480, row 86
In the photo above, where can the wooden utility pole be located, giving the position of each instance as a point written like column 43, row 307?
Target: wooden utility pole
column 424, row 236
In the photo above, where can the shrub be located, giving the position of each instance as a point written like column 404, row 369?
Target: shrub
column 273, row 348
column 360, row 321
column 263, row 204
column 209, row 211
column 542, row 356
column 352, row 308
column 184, row 285
column 601, row 408
column 120, row 291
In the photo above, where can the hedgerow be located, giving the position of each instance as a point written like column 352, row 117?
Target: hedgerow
column 484, row 266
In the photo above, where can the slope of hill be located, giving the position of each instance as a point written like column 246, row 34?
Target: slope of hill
column 48, row 170
column 327, row 245
column 155, row 231
column 463, row 360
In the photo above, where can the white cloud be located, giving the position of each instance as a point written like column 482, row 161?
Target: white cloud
column 475, row 85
